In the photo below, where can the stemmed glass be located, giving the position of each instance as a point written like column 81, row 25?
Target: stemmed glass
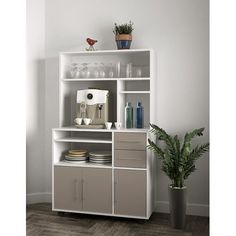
column 72, row 70
column 96, row 70
column 111, row 70
column 102, row 72
column 85, row 73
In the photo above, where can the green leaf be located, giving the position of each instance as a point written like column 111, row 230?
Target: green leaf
column 178, row 163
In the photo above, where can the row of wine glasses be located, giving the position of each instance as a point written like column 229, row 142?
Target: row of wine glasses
column 93, row 70
column 103, row 70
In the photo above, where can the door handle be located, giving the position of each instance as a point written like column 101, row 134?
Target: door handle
column 115, row 184
column 82, row 192
column 76, row 187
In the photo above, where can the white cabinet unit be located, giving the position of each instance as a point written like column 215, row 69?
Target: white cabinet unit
column 123, row 187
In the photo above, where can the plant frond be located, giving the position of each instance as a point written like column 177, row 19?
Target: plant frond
column 152, row 146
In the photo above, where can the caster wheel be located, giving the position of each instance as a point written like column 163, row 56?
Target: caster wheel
column 60, row 213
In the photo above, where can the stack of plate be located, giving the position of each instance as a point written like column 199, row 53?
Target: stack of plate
column 76, row 156
column 100, row 157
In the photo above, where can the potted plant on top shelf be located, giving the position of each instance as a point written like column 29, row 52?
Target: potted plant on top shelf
column 123, row 34
column 178, row 162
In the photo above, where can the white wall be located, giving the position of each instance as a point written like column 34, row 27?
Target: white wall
column 35, row 123
column 178, row 32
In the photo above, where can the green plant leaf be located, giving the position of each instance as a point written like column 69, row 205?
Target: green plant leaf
column 177, row 162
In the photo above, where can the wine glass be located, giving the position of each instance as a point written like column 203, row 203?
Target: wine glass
column 96, row 70
column 110, row 70
column 72, row 70
column 102, row 72
column 84, row 70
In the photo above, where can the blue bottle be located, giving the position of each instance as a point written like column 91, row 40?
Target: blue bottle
column 139, row 116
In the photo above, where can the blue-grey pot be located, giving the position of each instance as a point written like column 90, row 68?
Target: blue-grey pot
column 123, row 44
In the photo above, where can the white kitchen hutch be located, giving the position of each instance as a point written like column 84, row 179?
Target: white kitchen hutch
column 123, row 188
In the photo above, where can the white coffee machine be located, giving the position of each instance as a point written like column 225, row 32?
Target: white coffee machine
column 93, row 104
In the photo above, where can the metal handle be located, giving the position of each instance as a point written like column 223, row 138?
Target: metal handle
column 115, row 184
column 130, row 158
column 128, row 141
column 76, row 189
column 82, row 192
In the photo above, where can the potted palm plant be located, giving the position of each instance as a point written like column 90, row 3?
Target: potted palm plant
column 123, row 34
column 178, row 162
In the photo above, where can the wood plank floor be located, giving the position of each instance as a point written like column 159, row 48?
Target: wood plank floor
column 41, row 220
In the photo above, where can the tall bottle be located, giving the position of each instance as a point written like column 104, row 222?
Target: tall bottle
column 139, row 116
column 128, row 115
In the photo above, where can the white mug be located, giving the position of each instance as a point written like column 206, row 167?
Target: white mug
column 108, row 125
column 87, row 121
column 78, row 121
column 118, row 125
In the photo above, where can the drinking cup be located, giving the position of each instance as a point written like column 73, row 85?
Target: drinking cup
column 78, row 121
column 87, row 121
column 108, row 125
column 118, row 125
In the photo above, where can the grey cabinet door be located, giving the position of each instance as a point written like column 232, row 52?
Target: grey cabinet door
column 97, row 190
column 130, row 192
column 68, row 188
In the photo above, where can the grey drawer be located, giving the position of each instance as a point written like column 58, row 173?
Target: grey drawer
column 130, row 141
column 130, row 158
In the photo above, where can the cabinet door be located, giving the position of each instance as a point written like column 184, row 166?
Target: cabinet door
column 97, row 190
column 68, row 188
column 130, row 192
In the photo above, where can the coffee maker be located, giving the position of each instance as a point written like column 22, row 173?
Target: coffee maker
column 93, row 104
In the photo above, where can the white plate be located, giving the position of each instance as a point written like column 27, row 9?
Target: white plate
column 99, row 161
column 75, row 162
column 100, row 153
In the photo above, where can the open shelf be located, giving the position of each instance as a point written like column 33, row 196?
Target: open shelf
column 135, row 92
column 83, row 140
column 87, row 164
column 105, row 79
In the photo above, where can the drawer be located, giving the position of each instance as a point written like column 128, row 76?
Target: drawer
column 128, row 158
column 130, row 141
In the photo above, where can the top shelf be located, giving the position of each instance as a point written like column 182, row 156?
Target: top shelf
column 105, row 79
column 110, row 52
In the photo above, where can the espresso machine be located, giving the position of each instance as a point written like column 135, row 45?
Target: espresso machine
column 92, row 104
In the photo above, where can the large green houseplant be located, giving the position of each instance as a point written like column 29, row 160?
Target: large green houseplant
column 178, row 162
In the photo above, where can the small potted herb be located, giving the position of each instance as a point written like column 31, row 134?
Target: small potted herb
column 123, row 34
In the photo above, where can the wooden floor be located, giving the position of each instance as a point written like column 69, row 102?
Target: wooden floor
column 41, row 220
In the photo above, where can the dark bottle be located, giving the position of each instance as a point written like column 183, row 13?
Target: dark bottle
column 128, row 115
column 139, row 116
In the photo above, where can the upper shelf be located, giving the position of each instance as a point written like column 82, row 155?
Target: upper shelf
column 83, row 140
column 110, row 52
column 105, row 79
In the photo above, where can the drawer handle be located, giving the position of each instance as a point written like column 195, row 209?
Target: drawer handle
column 133, row 159
column 128, row 141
